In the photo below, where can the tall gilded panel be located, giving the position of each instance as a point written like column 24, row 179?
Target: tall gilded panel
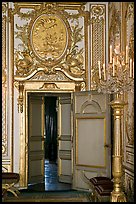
column 7, row 88
column 4, row 85
column 129, row 109
column 98, row 40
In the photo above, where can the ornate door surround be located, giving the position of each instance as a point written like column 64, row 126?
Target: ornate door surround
column 26, row 89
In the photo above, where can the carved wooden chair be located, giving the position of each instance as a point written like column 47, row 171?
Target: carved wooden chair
column 9, row 179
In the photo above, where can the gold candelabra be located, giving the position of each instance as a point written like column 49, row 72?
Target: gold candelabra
column 116, row 79
column 119, row 75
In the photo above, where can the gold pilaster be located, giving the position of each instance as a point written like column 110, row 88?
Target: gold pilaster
column 117, row 195
column 11, row 79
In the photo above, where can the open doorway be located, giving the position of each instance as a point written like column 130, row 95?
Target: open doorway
column 52, row 181
column 50, row 144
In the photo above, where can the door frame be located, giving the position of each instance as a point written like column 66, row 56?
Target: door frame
column 23, row 165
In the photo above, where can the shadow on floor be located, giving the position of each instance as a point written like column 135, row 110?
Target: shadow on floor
column 51, row 180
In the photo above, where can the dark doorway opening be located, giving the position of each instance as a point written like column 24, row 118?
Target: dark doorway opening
column 50, row 129
column 51, row 181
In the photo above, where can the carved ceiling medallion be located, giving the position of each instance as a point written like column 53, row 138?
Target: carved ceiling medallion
column 48, row 38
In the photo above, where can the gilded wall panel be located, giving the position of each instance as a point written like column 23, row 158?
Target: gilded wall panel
column 4, row 86
column 121, row 31
column 6, row 127
column 98, row 40
column 129, row 109
column 128, row 136
column 51, row 39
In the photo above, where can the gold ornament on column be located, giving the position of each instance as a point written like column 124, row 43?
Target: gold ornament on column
column 117, row 78
column 20, row 98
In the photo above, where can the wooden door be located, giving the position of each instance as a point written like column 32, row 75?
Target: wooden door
column 64, row 139
column 92, row 138
column 36, row 140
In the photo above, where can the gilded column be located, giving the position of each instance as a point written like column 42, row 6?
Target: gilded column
column 117, row 194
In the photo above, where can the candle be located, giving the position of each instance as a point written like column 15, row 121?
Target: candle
column 113, row 67
column 117, row 59
column 117, row 49
column 104, row 71
column 110, row 53
column 126, row 54
column 133, row 69
column 130, row 67
column 99, row 70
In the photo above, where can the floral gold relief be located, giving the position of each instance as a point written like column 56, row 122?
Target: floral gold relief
column 49, row 38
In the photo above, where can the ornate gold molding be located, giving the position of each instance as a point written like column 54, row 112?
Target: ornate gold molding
column 130, row 11
column 49, row 86
column 4, row 7
column 98, row 26
column 53, row 38
column 80, row 86
column 40, row 76
column 20, row 98
column 49, row 53
column 4, row 85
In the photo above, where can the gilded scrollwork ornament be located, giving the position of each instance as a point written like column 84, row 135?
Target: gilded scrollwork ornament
column 53, row 38
column 4, row 7
column 80, row 86
column 4, row 147
column 58, row 76
column 24, row 62
column 74, row 60
column 130, row 10
column 20, row 98
column 57, row 45
column 97, row 12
